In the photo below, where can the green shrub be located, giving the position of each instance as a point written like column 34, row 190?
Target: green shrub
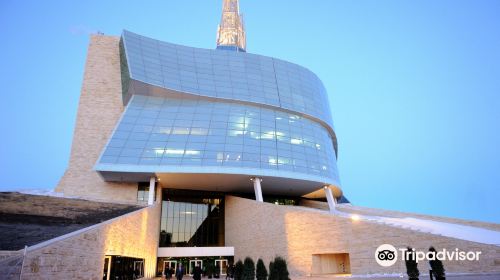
column 248, row 269
column 278, row 269
column 261, row 271
column 238, row 270
column 272, row 272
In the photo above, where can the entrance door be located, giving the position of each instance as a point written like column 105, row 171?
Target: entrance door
column 107, row 268
column 139, row 269
column 170, row 264
column 222, row 265
column 193, row 263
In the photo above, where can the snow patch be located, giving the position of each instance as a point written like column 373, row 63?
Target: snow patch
column 469, row 233
column 464, row 232
column 44, row 192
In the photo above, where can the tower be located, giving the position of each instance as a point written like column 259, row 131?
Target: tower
column 231, row 30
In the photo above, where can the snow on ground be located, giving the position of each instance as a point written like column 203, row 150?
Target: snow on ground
column 464, row 232
column 44, row 192
column 470, row 233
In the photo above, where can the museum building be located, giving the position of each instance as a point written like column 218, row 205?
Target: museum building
column 199, row 124
column 232, row 154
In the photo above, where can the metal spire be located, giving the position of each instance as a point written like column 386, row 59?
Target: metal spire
column 231, row 31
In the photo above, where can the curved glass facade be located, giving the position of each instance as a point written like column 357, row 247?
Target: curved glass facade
column 203, row 111
column 167, row 131
column 226, row 74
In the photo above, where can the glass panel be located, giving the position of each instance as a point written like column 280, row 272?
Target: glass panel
column 204, row 133
column 192, row 219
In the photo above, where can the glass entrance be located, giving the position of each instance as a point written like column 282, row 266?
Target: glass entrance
column 221, row 265
column 216, row 266
column 170, row 264
column 121, row 267
column 193, row 264
column 138, row 269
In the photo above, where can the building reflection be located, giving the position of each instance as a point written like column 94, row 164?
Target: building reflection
column 192, row 219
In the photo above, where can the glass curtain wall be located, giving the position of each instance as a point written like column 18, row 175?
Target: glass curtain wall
column 192, row 219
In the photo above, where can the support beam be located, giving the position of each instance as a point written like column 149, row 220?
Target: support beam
column 152, row 190
column 331, row 200
column 257, row 188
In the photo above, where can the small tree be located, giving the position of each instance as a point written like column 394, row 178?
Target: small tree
column 279, row 270
column 272, row 272
column 238, row 270
column 248, row 269
column 261, row 271
column 437, row 266
column 411, row 265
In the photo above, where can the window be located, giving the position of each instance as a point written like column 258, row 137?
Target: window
column 192, row 218
column 143, row 192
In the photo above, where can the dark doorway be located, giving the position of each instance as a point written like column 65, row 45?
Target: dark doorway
column 123, row 268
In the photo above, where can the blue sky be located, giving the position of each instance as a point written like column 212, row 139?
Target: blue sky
column 414, row 87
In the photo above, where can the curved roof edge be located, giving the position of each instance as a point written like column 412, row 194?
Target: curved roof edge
column 276, row 181
column 318, row 97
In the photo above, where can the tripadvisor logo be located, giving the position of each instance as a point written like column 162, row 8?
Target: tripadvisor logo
column 387, row 255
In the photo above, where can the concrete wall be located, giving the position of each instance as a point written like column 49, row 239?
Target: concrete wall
column 80, row 255
column 99, row 110
column 263, row 230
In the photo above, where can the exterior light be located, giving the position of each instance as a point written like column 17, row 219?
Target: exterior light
column 355, row 217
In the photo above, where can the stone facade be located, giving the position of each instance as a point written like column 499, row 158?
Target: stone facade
column 263, row 230
column 99, row 110
column 80, row 255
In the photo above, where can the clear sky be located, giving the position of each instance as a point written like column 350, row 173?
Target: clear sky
column 414, row 87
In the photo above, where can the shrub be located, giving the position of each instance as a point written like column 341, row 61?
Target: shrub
column 411, row 266
column 248, row 269
column 261, row 271
column 278, row 269
column 238, row 270
column 272, row 272
column 437, row 266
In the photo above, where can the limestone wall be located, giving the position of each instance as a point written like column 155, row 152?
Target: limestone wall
column 99, row 110
column 265, row 230
column 80, row 255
